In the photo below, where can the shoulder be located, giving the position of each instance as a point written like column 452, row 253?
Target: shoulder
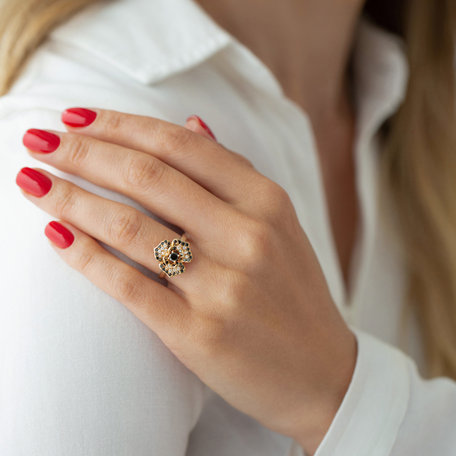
column 115, row 54
column 159, row 58
column 124, row 43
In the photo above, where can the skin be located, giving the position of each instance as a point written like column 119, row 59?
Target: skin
column 307, row 46
column 252, row 313
column 241, row 306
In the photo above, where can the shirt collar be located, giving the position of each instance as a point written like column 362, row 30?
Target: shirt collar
column 151, row 40
column 148, row 40
column 381, row 75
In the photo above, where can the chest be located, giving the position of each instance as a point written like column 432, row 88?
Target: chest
column 338, row 172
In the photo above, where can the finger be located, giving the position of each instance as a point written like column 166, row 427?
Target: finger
column 226, row 174
column 118, row 225
column 197, row 125
column 155, row 185
column 162, row 310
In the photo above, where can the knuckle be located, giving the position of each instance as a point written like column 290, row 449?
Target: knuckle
column 242, row 158
column 141, row 173
column 85, row 262
column 233, row 289
column 175, row 138
column 78, row 151
column 112, row 121
column 125, row 227
column 126, row 287
column 280, row 196
column 257, row 241
column 276, row 199
column 208, row 334
column 83, row 258
column 66, row 201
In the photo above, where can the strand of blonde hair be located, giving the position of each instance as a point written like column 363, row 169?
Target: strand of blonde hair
column 24, row 24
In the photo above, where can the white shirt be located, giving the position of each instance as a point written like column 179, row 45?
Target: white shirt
column 80, row 374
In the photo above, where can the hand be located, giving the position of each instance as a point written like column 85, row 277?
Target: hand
column 251, row 315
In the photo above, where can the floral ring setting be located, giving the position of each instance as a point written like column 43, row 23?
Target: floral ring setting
column 172, row 256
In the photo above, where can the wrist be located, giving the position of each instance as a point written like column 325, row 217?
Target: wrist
column 320, row 417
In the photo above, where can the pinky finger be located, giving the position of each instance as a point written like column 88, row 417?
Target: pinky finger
column 161, row 309
column 197, row 125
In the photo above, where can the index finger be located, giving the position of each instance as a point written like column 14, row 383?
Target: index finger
column 224, row 173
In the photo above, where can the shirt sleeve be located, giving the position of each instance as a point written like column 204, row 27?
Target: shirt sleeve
column 79, row 373
column 389, row 409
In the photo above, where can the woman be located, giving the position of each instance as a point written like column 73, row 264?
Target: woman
column 276, row 329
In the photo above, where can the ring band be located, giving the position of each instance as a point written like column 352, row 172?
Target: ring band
column 172, row 256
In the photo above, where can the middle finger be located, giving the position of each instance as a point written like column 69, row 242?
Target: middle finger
column 158, row 187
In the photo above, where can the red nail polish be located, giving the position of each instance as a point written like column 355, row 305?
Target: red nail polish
column 204, row 125
column 40, row 140
column 78, row 117
column 33, row 182
column 62, row 237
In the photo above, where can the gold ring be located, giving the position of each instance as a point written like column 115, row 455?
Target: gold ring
column 172, row 256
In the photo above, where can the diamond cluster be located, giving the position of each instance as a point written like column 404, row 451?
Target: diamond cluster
column 172, row 255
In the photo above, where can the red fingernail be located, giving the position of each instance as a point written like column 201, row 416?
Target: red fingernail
column 62, row 237
column 40, row 140
column 78, row 117
column 203, row 124
column 33, row 182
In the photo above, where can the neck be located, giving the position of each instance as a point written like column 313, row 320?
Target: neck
column 305, row 43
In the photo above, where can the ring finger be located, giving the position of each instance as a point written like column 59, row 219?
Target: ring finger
column 158, row 307
column 118, row 225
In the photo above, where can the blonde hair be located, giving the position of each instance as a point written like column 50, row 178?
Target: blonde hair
column 24, row 24
column 419, row 170
column 418, row 162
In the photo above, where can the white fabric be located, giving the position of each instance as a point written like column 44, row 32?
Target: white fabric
column 80, row 375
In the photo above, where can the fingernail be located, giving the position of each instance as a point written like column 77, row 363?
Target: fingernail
column 78, row 117
column 33, row 182
column 203, row 124
column 40, row 140
column 61, row 236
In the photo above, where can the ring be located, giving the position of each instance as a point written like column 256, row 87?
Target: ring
column 172, row 256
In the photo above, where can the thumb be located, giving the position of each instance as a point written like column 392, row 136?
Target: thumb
column 196, row 124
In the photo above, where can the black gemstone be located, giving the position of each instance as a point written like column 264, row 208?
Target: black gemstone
column 173, row 257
